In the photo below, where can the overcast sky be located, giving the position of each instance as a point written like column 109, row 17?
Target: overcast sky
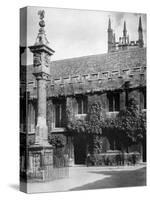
column 75, row 33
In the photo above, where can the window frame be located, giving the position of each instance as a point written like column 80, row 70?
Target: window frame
column 59, row 122
column 113, row 102
column 82, row 105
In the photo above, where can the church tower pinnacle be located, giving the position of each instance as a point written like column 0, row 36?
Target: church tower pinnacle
column 110, row 36
column 124, row 30
column 140, row 33
column 125, row 38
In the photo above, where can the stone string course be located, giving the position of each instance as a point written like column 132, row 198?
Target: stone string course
column 99, row 76
column 95, row 82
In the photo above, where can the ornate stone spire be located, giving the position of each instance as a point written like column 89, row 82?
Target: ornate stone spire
column 41, row 38
column 110, row 36
column 124, row 29
column 140, row 32
column 109, row 24
column 140, row 25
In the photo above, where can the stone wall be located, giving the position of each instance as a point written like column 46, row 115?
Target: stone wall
column 71, row 105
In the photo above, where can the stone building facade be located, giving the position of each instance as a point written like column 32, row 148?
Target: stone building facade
column 111, row 78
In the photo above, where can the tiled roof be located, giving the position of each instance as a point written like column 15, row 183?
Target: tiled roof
column 121, row 60
column 97, row 63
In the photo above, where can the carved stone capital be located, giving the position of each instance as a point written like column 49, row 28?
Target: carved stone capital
column 41, row 59
column 41, row 76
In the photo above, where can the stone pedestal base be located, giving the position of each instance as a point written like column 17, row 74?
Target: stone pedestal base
column 40, row 163
column 41, row 133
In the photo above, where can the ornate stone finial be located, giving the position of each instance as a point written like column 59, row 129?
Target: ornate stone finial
column 41, row 13
column 41, row 38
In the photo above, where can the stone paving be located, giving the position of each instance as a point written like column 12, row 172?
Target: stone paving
column 80, row 176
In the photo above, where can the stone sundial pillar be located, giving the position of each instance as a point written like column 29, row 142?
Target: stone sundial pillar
column 41, row 61
column 41, row 152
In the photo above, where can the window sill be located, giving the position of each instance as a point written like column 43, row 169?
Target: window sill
column 58, row 129
column 80, row 116
column 29, row 133
column 23, row 132
column 112, row 114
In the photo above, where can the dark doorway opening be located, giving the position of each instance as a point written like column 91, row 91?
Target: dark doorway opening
column 80, row 145
column 144, row 150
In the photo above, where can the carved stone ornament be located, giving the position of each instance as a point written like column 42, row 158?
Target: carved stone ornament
column 45, row 60
column 42, row 76
column 41, row 38
column 37, row 59
column 41, row 13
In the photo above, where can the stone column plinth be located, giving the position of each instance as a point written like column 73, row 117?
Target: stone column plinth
column 40, row 160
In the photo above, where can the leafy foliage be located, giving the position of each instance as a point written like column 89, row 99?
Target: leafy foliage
column 129, row 126
column 56, row 141
column 92, row 126
column 95, row 119
column 77, row 126
column 74, row 125
column 141, row 127
column 114, row 159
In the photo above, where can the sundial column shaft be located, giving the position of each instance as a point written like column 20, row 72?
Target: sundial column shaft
column 41, row 99
column 41, row 128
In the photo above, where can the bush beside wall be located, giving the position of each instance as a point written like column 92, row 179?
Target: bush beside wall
column 113, row 159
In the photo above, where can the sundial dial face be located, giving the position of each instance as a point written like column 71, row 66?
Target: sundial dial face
column 37, row 59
